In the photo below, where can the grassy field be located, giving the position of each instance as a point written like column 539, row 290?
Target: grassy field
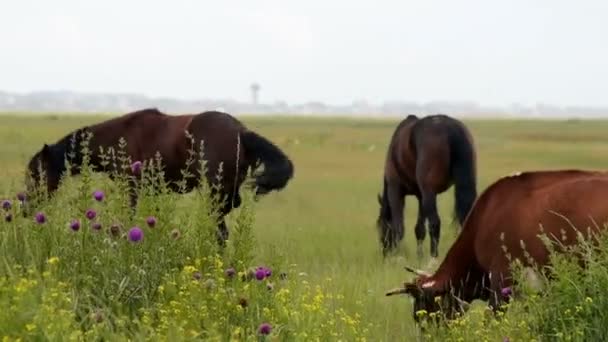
column 324, row 221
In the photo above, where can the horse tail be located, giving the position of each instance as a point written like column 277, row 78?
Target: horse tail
column 278, row 168
column 463, row 170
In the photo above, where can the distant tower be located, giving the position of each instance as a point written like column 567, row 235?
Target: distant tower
column 255, row 89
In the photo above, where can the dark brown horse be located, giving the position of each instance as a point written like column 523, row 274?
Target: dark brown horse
column 425, row 157
column 512, row 211
column 226, row 141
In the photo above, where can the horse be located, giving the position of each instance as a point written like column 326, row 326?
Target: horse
column 505, row 225
column 227, row 144
column 425, row 157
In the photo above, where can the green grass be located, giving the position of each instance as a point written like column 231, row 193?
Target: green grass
column 324, row 220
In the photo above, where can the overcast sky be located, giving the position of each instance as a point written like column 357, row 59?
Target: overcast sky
column 492, row 52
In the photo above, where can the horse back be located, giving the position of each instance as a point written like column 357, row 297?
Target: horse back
column 146, row 132
column 220, row 134
column 516, row 209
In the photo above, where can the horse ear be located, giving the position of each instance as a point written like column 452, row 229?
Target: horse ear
column 45, row 150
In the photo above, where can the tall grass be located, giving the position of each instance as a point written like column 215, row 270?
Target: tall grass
column 87, row 266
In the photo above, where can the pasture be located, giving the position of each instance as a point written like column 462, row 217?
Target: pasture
column 323, row 223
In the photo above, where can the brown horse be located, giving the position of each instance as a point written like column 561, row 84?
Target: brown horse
column 226, row 141
column 512, row 211
column 425, row 157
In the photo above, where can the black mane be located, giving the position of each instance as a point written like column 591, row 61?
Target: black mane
column 68, row 147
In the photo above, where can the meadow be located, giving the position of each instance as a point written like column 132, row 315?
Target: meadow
column 322, row 226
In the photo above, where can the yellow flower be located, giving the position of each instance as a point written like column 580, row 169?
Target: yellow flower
column 189, row 269
column 589, row 300
column 53, row 260
column 421, row 312
column 30, row 326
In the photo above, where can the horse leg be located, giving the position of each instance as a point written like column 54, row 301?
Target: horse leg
column 133, row 197
column 222, row 232
column 429, row 204
column 420, row 229
column 231, row 201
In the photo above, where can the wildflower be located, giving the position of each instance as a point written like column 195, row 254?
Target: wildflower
column 265, row 328
column 21, row 197
column 230, row 272
column 151, row 221
column 136, row 167
column 6, row 204
column 96, row 226
column 175, row 234
column 589, row 300
column 260, row 273
column 75, row 225
column 40, row 218
column 135, row 234
column 421, row 312
column 98, row 195
column 8, row 217
column 115, row 229
column 90, row 214
column 505, row 339
column 53, row 260
column 506, row 291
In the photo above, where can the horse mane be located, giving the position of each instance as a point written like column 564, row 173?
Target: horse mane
column 68, row 148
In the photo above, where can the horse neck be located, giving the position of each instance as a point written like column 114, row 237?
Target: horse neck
column 460, row 265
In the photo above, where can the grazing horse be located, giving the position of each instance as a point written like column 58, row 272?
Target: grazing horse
column 225, row 139
column 425, row 157
column 515, row 210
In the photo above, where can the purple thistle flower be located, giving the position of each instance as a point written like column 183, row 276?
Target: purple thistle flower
column 98, row 195
column 506, row 291
column 8, row 217
column 230, row 272
column 260, row 273
column 40, row 218
column 91, row 214
column 96, row 226
column 75, row 225
column 21, row 196
column 136, row 167
column 151, row 221
column 264, row 328
column 135, row 234
column 6, row 204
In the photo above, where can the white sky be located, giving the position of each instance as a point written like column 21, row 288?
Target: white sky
column 492, row 52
